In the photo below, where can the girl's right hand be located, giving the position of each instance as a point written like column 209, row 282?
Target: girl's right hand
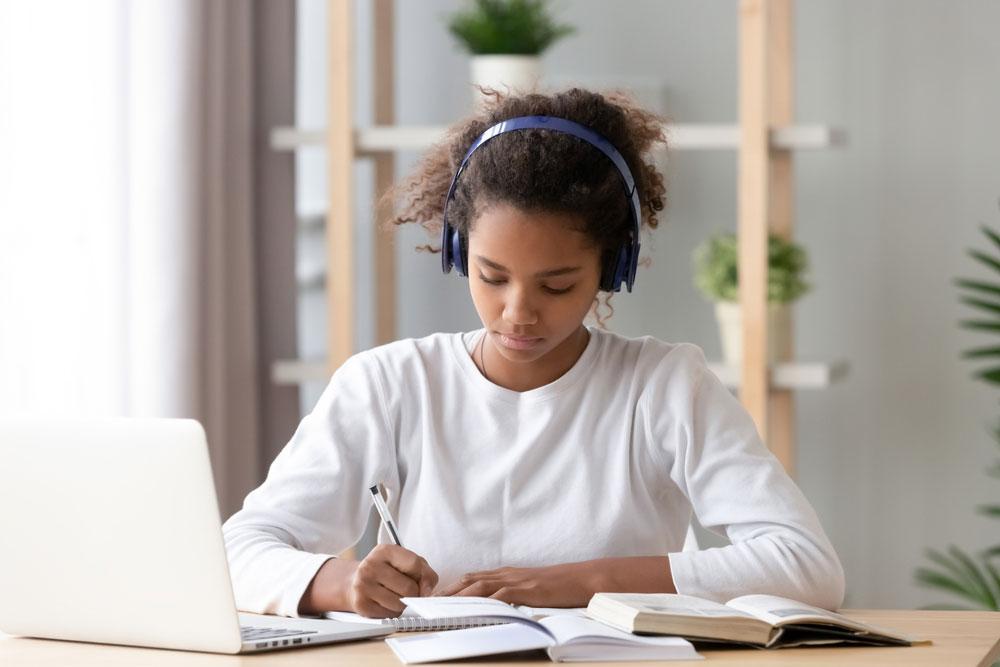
column 386, row 574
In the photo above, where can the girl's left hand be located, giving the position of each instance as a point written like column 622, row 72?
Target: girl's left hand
column 566, row 585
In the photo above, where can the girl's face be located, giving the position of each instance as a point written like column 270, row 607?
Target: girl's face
column 533, row 279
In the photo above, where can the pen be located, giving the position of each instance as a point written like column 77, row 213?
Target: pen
column 383, row 511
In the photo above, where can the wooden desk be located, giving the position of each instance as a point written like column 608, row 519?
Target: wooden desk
column 960, row 638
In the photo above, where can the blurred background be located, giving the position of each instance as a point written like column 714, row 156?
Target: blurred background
column 164, row 187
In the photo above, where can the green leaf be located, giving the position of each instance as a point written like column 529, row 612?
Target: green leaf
column 716, row 270
column 994, row 577
column 985, row 259
column 507, row 27
column 982, row 325
column 948, row 564
column 992, row 552
column 991, row 235
column 988, row 306
column 992, row 375
column 981, row 352
column 989, row 510
column 976, row 574
column 976, row 285
column 932, row 579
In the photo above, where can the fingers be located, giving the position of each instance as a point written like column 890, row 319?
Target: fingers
column 428, row 579
column 375, row 601
column 509, row 595
column 389, row 577
column 470, row 586
column 498, row 577
column 410, row 564
column 387, row 574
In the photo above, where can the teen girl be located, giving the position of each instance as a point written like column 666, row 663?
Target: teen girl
column 537, row 460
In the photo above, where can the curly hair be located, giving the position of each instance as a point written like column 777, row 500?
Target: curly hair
column 541, row 170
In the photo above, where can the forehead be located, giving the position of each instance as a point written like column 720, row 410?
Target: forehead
column 517, row 238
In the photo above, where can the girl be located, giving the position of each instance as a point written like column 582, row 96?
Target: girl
column 537, row 460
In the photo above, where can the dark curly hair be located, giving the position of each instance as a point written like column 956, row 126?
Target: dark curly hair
column 541, row 170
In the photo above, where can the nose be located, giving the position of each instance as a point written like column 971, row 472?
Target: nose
column 518, row 309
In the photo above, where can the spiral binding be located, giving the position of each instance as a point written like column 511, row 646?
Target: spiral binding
column 413, row 623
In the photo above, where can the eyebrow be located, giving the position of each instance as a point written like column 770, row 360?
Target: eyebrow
column 541, row 274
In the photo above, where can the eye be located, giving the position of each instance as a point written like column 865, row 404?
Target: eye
column 489, row 281
column 554, row 290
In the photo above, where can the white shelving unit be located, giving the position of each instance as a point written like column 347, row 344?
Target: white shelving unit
column 375, row 140
column 765, row 139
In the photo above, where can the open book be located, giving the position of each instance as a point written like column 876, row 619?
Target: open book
column 566, row 637
column 765, row 621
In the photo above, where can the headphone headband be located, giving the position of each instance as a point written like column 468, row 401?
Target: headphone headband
column 623, row 264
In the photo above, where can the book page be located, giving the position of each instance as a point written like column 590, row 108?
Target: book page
column 780, row 611
column 453, row 644
column 461, row 607
column 566, row 629
column 542, row 612
column 675, row 603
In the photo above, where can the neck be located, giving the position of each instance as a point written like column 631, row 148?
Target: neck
column 528, row 376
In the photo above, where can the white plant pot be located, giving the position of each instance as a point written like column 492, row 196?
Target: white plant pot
column 730, row 321
column 505, row 73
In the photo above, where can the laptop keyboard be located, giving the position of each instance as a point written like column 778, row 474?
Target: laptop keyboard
column 252, row 634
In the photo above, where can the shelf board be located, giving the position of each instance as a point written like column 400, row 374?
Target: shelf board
column 298, row 371
column 680, row 136
column 798, row 375
column 801, row 375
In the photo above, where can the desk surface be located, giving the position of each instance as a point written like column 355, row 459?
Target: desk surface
column 960, row 638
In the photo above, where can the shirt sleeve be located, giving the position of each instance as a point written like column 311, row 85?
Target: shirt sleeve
column 736, row 485
column 315, row 501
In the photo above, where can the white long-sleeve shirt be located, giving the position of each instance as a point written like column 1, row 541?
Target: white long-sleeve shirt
column 611, row 459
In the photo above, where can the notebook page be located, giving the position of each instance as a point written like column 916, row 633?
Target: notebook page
column 351, row 617
column 462, row 607
column 439, row 646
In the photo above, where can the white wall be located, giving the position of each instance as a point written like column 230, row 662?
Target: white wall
column 893, row 457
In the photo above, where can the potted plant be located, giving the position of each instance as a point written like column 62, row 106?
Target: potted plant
column 506, row 38
column 975, row 577
column 717, row 277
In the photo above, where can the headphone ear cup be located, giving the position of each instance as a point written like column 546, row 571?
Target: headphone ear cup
column 611, row 272
column 459, row 252
column 615, row 272
column 446, row 258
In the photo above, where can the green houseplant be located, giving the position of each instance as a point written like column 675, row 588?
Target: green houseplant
column 506, row 38
column 975, row 578
column 716, row 275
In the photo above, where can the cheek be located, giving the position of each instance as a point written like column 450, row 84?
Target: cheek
column 483, row 298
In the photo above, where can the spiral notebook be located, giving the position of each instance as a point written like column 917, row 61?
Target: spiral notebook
column 564, row 636
column 466, row 616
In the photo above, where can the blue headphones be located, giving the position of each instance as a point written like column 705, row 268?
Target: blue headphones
column 622, row 264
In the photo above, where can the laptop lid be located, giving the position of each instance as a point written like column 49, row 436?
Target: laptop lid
column 111, row 533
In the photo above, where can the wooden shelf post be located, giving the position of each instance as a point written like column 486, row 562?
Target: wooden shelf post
column 340, row 301
column 765, row 204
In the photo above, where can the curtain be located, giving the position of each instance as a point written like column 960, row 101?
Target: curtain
column 176, row 285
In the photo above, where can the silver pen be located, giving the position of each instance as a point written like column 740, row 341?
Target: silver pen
column 383, row 511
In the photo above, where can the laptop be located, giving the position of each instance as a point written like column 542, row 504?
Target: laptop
column 110, row 533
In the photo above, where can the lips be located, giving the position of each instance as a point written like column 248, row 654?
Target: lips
column 518, row 342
